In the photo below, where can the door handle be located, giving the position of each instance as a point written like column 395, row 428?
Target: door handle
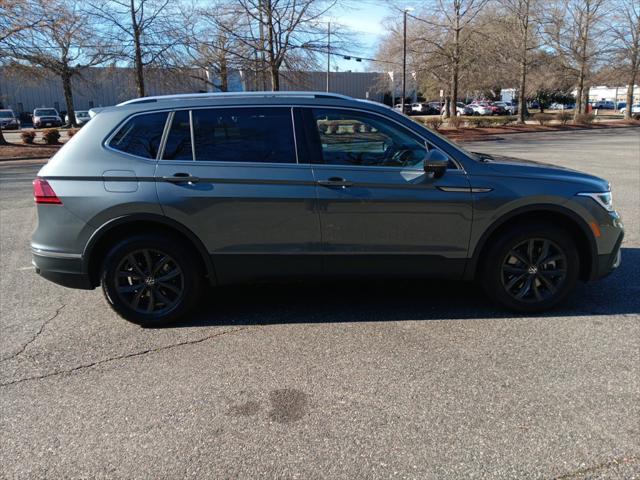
column 335, row 182
column 181, row 177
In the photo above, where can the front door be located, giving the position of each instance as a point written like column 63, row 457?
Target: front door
column 380, row 212
column 231, row 175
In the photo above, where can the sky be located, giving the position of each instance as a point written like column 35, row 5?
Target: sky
column 365, row 19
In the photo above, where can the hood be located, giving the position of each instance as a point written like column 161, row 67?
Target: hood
column 516, row 167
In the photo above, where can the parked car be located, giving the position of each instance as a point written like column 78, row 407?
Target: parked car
column 461, row 109
column 480, row 108
column 82, row 117
column 407, row 108
column 635, row 108
column 424, row 109
column 8, row 120
column 300, row 184
column 46, row 117
column 508, row 107
column 604, row 105
column 497, row 108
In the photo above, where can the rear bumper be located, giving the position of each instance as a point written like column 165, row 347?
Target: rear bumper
column 61, row 268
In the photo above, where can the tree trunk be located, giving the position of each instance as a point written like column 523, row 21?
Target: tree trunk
column 456, row 62
column 522, row 94
column 630, row 85
column 273, row 61
column 224, row 75
column 68, row 98
column 138, row 65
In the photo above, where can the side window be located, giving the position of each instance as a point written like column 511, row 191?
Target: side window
column 244, row 135
column 361, row 139
column 141, row 135
column 178, row 146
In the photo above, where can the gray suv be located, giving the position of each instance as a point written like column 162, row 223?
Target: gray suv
column 157, row 197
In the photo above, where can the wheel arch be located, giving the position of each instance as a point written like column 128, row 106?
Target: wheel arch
column 106, row 235
column 560, row 216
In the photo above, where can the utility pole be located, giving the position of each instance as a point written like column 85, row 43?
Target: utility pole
column 404, row 61
column 328, row 55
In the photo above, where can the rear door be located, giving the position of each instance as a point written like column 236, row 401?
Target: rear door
column 380, row 212
column 232, row 176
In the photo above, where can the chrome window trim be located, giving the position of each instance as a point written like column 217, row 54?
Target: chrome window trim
column 291, row 106
column 192, row 135
column 165, row 135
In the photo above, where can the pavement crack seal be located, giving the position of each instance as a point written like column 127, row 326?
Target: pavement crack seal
column 37, row 334
column 122, row 357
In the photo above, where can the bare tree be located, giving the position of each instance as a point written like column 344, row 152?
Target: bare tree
column 138, row 31
column 59, row 44
column 522, row 17
column 16, row 17
column 625, row 27
column 574, row 29
column 279, row 32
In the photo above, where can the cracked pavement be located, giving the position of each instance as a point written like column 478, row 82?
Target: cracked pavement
column 350, row 380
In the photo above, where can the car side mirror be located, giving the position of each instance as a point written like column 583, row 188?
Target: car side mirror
column 436, row 162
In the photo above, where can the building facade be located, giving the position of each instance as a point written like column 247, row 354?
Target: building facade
column 24, row 90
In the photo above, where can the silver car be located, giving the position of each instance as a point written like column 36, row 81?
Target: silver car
column 156, row 198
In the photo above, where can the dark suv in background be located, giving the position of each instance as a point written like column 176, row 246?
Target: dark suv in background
column 157, row 197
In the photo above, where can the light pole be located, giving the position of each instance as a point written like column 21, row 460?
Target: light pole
column 404, row 57
column 328, row 54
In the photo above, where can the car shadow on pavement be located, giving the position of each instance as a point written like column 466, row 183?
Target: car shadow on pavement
column 364, row 300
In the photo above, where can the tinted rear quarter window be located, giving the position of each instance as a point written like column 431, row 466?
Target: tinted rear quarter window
column 140, row 135
column 244, row 135
column 178, row 145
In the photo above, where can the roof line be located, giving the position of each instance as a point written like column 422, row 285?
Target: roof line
column 195, row 96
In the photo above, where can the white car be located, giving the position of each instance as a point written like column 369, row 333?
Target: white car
column 46, row 117
column 635, row 108
column 480, row 108
column 510, row 107
column 82, row 117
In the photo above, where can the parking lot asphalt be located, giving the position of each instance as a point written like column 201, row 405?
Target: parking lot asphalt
column 361, row 379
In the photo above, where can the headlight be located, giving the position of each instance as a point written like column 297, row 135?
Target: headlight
column 603, row 198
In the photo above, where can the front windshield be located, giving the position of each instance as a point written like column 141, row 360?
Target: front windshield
column 6, row 115
column 46, row 111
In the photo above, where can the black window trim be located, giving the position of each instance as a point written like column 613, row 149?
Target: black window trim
column 114, row 132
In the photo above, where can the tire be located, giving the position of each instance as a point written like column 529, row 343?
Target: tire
column 519, row 275
column 131, row 280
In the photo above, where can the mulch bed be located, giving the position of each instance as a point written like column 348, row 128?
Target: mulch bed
column 17, row 151
column 480, row 133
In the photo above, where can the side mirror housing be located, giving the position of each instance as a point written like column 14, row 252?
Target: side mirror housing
column 436, row 163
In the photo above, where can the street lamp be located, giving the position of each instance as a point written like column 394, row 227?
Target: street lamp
column 404, row 57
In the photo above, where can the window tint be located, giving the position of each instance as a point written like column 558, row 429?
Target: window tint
column 354, row 138
column 178, row 145
column 140, row 135
column 244, row 135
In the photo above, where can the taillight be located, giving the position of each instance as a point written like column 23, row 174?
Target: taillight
column 43, row 193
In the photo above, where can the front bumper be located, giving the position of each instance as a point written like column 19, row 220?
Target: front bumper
column 607, row 263
column 61, row 268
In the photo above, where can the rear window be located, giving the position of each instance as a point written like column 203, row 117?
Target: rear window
column 244, row 135
column 141, row 135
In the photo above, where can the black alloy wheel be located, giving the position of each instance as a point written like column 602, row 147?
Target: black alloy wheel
column 151, row 280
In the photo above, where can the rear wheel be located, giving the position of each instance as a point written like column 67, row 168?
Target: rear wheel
column 531, row 268
column 151, row 280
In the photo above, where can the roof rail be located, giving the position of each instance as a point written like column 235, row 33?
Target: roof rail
column 195, row 96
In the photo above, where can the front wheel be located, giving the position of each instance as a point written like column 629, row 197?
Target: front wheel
column 151, row 280
column 531, row 268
